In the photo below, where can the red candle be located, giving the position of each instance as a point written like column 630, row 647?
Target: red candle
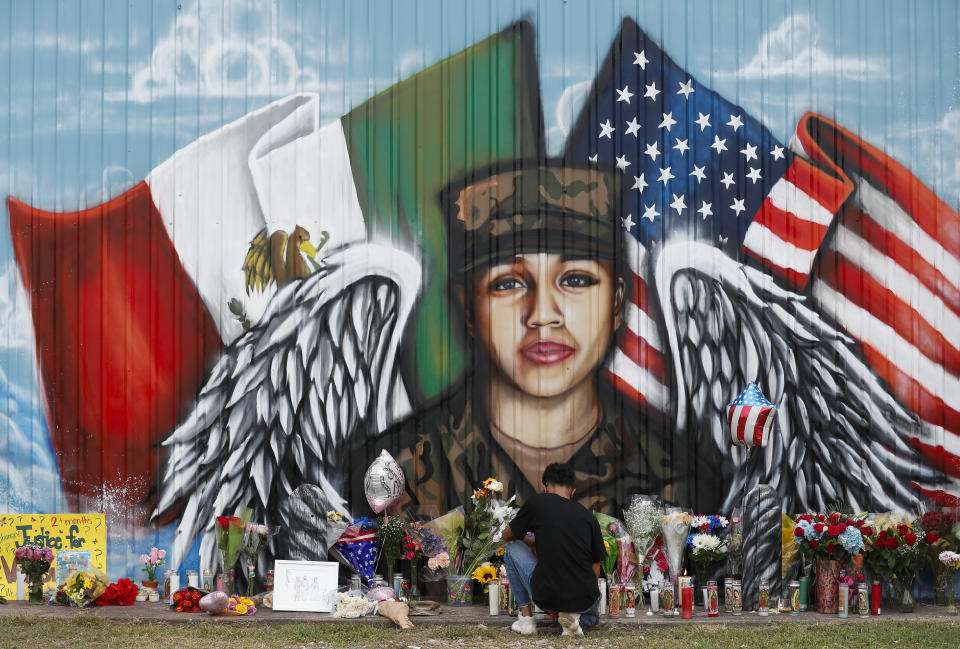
column 686, row 599
column 876, row 592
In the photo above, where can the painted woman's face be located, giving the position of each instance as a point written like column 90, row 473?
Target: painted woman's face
column 545, row 320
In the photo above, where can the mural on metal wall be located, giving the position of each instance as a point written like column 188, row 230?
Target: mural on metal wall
column 281, row 300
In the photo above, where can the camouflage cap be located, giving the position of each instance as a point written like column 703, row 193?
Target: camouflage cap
column 532, row 208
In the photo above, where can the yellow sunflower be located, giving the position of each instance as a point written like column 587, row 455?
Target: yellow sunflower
column 485, row 574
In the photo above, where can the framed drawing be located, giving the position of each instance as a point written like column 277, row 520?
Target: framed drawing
column 304, row 585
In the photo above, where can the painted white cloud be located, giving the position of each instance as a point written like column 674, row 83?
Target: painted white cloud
column 792, row 49
column 215, row 49
column 16, row 325
column 568, row 107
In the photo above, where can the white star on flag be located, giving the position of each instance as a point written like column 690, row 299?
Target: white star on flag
column 640, row 58
column 699, row 173
column 632, row 127
column 651, row 212
column 667, row 121
column 686, row 89
column 718, row 144
column 624, row 94
column 754, row 174
column 622, row 162
column 738, row 206
column 681, row 145
column 606, row 129
column 777, row 152
column 628, row 222
column 639, row 183
column 750, row 151
column 735, row 122
column 727, row 180
column 653, row 150
column 593, row 158
column 665, row 176
column 703, row 120
column 652, row 91
column 705, row 209
column 679, row 203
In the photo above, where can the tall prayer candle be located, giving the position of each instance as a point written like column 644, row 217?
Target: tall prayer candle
column 493, row 598
column 686, row 597
column 876, row 594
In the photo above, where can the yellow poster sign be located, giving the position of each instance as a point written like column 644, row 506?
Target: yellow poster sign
column 77, row 541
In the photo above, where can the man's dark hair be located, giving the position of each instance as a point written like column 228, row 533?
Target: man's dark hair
column 558, row 474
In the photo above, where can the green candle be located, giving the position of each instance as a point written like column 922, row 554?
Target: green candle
column 804, row 585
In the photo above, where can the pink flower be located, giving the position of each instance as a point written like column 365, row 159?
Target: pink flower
column 144, row 558
column 161, row 554
column 154, row 555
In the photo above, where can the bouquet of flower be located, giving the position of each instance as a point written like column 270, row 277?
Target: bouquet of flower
column 643, row 519
column 483, row 526
column 255, row 537
column 707, row 545
column 230, row 534
column 675, row 529
column 187, row 600
column 939, row 536
column 393, row 539
column 122, row 593
column 484, row 573
column 81, row 588
column 34, row 562
column 832, row 536
column 237, row 606
column 895, row 552
column 152, row 562
column 359, row 545
column 617, row 543
column 852, row 578
column 951, row 561
column 428, row 545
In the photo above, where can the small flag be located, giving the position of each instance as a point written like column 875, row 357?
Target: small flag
column 360, row 546
column 751, row 417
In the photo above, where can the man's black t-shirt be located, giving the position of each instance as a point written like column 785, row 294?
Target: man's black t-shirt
column 569, row 542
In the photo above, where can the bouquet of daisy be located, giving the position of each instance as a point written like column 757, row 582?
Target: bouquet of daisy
column 707, row 543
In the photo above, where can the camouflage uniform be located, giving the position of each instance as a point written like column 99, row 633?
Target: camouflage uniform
column 447, row 449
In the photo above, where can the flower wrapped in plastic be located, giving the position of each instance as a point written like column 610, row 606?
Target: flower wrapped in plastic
column 81, row 588
column 122, row 593
column 360, row 547
column 675, row 530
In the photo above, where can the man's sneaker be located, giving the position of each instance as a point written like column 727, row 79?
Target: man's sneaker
column 570, row 623
column 525, row 625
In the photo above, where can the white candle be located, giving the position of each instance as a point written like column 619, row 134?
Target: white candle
column 21, row 585
column 494, row 597
column 602, row 585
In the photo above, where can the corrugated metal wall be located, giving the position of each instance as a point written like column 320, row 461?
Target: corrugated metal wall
column 254, row 244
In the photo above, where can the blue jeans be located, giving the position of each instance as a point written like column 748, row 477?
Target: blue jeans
column 520, row 562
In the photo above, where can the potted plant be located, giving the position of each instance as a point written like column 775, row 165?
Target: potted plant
column 151, row 564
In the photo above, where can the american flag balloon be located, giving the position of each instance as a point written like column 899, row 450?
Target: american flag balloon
column 751, row 417
column 360, row 546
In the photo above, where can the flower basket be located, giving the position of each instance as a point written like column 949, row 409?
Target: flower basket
column 459, row 590
column 828, row 571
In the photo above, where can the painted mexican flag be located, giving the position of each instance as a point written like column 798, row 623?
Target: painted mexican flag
column 130, row 299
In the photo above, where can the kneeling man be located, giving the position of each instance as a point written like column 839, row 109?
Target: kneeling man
column 557, row 563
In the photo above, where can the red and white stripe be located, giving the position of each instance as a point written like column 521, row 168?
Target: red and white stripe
column 788, row 230
column 357, row 537
column 891, row 278
column 638, row 367
column 750, row 425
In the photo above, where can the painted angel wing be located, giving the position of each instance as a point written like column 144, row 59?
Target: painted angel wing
column 283, row 400
column 257, row 268
column 839, row 435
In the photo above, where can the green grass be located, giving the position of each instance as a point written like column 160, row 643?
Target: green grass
column 91, row 632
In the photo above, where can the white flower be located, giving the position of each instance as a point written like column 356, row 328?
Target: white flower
column 705, row 542
column 723, row 521
column 495, row 486
column 698, row 522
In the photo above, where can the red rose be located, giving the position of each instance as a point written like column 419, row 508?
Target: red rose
column 842, row 527
column 867, row 530
column 814, row 544
column 831, row 547
column 902, row 530
column 892, row 544
column 832, row 530
column 820, row 518
column 805, row 517
column 850, row 521
column 910, row 539
column 818, row 527
column 223, row 522
column 798, row 531
column 930, row 538
column 834, row 518
column 883, row 536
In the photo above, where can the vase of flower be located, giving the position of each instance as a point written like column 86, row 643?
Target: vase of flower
column 902, row 587
column 459, row 590
column 34, row 562
column 940, row 587
column 828, row 572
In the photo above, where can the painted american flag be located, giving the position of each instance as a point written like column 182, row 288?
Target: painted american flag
column 828, row 216
column 751, row 417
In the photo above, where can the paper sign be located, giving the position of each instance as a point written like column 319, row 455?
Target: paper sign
column 76, row 535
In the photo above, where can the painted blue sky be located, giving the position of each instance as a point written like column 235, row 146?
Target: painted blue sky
column 98, row 93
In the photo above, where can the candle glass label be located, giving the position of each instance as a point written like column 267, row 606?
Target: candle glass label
column 613, row 604
column 666, row 600
column 713, row 603
column 503, row 594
